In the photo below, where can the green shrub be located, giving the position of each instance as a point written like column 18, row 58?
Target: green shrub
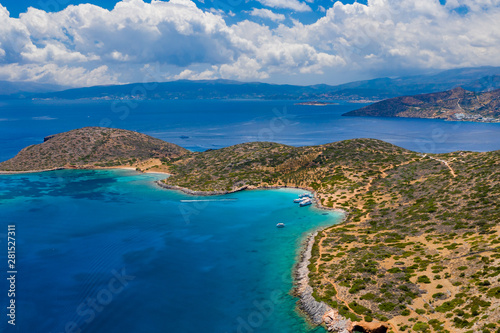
column 387, row 306
column 368, row 296
column 494, row 292
column 421, row 327
column 358, row 308
column 423, row 279
column 405, row 312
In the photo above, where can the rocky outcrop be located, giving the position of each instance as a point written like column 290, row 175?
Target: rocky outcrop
column 334, row 322
column 47, row 138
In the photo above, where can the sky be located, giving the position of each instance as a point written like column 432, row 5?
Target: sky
column 76, row 43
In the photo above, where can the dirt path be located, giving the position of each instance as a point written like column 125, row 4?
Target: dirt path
column 323, row 236
column 445, row 163
column 334, row 285
column 318, row 263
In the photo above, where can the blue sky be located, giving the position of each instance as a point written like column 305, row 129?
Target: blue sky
column 239, row 7
column 72, row 42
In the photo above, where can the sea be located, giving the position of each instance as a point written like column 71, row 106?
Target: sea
column 210, row 124
column 109, row 251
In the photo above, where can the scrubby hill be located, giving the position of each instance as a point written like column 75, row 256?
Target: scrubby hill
column 91, row 146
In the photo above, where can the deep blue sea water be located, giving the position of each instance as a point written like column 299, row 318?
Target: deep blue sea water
column 109, row 251
column 203, row 124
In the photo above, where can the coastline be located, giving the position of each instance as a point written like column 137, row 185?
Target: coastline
column 90, row 168
column 28, row 171
column 307, row 304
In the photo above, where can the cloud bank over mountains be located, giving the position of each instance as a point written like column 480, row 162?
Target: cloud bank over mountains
column 87, row 45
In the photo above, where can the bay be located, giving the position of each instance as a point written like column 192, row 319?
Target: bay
column 110, row 251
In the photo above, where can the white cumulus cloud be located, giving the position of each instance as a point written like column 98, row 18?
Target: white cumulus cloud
column 87, row 45
column 394, row 34
column 267, row 14
column 188, row 74
column 287, row 4
column 52, row 73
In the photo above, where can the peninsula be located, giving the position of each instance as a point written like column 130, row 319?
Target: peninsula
column 94, row 147
column 419, row 250
column 455, row 105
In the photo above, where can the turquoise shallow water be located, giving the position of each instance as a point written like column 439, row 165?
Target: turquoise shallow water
column 109, row 251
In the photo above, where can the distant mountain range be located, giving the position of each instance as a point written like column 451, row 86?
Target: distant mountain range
column 473, row 79
column 11, row 88
column 455, row 104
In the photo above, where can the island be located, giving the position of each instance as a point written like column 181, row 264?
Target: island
column 453, row 105
column 419, row 248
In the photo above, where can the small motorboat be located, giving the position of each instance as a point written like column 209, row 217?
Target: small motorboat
column 305, row 195
column 305, row 202
column 298, row 200
column 280, row 225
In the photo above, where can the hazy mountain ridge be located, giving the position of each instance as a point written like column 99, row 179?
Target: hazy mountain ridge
column 476, row 79
column 20, row 88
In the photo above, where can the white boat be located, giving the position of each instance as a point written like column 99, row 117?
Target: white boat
column 305, row 202
column 280, row 225
column 298, row 200
column 305, row 195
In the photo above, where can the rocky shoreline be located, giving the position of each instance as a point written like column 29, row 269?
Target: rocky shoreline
column 307, row 304
column 28, row 171
column 320, row 313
